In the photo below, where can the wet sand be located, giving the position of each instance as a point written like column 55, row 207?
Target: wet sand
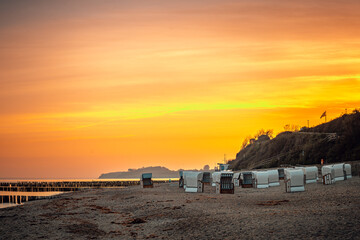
column 166, row 212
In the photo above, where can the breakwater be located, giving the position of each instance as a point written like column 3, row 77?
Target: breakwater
column 20, row 191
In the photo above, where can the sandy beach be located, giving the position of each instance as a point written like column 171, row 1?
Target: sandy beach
column 166, row 212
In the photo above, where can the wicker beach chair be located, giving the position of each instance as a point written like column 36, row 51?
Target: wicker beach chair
column 247, row 180
column 310, row 174
column 261, row 179
column 328, row 174
column 273, row 178
column 146, row 181
column 194, row 182
column 224, row 182
column 294, row 180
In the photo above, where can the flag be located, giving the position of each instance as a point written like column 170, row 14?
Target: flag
column 323, row 115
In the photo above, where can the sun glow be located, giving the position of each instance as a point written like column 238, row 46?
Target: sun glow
column 92, row 87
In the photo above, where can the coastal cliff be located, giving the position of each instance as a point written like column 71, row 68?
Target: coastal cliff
column 334, row 141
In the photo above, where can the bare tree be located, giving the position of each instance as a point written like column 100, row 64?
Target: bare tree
column 245, row 142
column 270, row 133
column 259, row 133
column 292, row 127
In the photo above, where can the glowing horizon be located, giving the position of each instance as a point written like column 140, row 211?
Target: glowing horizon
column 89, row 87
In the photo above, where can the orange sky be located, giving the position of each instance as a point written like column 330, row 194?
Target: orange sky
column 88, row 87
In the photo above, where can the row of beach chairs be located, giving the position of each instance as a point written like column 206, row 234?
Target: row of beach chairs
column 226, row 181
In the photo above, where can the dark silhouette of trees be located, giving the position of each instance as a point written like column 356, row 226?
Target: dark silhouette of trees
column 291, row 128
column 206, row 168
column 247, row 140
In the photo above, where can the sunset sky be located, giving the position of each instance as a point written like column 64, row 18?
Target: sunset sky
column 88, row 87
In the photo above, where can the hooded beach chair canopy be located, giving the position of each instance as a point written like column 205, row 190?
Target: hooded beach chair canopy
column 236, row 175
column 206, row 177
column 146, row 176
column 146, row 181
column 216, row 177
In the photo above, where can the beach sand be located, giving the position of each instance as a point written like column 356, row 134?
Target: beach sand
column 166, row 212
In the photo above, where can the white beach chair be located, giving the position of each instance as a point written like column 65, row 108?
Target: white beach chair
column 294, row 180
column 194, row 182
column 328, row 174
column 223, row 182
column 339, row 172
column 146, row 181
column 261, row 179
column 273, row 178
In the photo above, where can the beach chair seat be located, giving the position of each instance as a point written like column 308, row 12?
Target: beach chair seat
column 206, row 178
column 281, row 173
column 226, row 183
column 247, row 180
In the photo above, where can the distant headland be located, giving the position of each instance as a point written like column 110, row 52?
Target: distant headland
column 158, row 172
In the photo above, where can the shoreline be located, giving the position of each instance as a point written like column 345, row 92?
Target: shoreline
column 167, row 212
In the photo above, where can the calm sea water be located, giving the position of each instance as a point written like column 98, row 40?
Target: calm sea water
column 6, row 205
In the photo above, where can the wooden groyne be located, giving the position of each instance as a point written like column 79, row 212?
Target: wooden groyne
column 23, row 191
column 62, row 186
column 21, row 197
column 66, row 186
